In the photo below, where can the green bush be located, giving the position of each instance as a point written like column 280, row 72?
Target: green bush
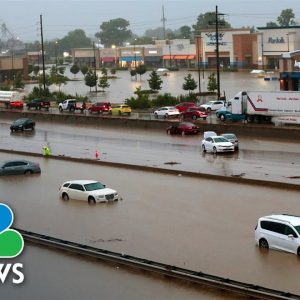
column 164, row 100
column 188, row 98
column 141, row 102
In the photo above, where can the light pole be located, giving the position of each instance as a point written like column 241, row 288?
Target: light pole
column 95, row 67
column 56, row 42
column 198, row 60
column 134, row 58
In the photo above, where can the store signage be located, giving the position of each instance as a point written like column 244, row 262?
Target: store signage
column 277, row 40
column 212, row 40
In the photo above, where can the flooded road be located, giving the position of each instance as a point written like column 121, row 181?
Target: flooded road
column 258, row 158
column 198, row 224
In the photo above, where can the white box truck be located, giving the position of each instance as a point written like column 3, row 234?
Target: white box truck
column 263, row 106
column 11, row 99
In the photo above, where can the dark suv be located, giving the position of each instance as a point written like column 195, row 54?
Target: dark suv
column 100, row 107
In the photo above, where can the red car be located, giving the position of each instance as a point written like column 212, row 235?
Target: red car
column 16, row 104
column 195, row 113
column 183, row 106
column 100, row 107
column 183, row 128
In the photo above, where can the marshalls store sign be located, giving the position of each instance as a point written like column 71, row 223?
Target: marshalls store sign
column 11, row 245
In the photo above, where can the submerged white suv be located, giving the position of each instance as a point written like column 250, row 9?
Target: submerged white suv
column 280, row 232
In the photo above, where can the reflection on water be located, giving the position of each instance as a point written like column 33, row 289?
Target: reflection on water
column 124, row 86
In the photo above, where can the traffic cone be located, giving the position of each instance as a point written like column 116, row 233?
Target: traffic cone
column 97, row 154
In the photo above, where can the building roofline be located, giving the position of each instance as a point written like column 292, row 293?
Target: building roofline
column 279, row 27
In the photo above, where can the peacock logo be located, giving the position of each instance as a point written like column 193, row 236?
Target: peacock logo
column 11, row 241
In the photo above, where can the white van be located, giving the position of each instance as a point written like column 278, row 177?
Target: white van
column 280, row 232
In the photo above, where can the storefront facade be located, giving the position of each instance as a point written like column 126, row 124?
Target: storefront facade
column 235, row 48
column 273, row 42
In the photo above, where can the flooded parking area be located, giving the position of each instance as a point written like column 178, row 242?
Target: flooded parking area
column 198, row 224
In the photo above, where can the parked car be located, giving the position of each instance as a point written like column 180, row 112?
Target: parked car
column 100, row 107
column 22, row 124
column 38, row 104
column 231, row 137
column 279, row 232
column 16, row 167
column 183, row 106
column 166, row 112
column 183, row 128
column 87, row 190
column 121, row 109
column 213, row 105
column 195, row 113
column 19, row 104
column 207, row 134
column 216, row 144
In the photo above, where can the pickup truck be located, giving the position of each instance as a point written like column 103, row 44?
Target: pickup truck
column 38, row 104
column 71, row 105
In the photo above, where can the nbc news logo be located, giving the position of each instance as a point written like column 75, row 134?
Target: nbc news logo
column 11, row 245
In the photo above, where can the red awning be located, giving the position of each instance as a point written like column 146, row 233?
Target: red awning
column 108, row 59
column 180, row 57
column 168, row 57
column 191, row 56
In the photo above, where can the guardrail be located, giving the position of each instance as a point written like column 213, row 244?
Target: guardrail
column 232, row 286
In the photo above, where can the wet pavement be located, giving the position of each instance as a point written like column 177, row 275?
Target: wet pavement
column 198, row 224
column 258, row 158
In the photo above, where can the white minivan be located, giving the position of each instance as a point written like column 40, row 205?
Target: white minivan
column 280, row 232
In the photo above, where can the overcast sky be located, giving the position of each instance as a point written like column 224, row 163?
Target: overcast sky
column 60, row 17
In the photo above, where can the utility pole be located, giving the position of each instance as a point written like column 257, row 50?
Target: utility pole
column 217, row 49
column 217, row 23
column 95, row 67
column 164, row 22
column 198, row 60
column 43, row 54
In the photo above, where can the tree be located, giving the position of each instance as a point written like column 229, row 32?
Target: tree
column 103, row 81
column 286, row 18
column 189, row 83
column 141, row 69
column 155, row 81
column 157, row 33
column 84, row 69
column 90, row 79
column 74, row 69
column 185, row 32
column 114, row 32
column 18, row 84
column 212, row 82
column 132, row 72
column 57, row 77
column 74, row 39
column 204, row 21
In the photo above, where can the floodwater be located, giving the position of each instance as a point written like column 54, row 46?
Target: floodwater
column 263, row 159
column 198, row 224
column 124, row 86
column 51, row 274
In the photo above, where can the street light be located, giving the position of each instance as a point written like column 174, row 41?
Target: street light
column 134, row 58
column 56, row 42
column 95, row 66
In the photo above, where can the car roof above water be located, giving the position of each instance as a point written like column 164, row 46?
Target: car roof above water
column 293, row 220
